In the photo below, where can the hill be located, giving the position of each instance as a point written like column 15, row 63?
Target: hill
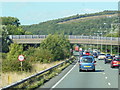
column 86, row 24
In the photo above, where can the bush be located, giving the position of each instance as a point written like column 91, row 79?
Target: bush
column 39, row 55
column 11, row 63
column 15, row 65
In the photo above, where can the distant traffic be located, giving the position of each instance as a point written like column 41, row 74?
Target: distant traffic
column 86, row 59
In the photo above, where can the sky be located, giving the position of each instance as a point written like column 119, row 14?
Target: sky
column 34, row 12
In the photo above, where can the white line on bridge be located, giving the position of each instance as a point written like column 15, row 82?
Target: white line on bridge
column 63, row 77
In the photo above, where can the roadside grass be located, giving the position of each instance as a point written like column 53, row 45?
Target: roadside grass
column 12, row 77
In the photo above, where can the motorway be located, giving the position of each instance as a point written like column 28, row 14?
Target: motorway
column 103, row 77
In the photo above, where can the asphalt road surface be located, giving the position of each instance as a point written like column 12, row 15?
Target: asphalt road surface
column 103, row 77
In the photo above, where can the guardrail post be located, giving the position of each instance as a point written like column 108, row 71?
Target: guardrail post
column 9, row 79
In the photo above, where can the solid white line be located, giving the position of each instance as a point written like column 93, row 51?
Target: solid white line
column 63, row 77
column 103, row 73
column 109, row 84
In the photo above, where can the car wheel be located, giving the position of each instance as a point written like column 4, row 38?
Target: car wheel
column 93, row 70
column 112, row 66
column 80, row 70
column 105, row 62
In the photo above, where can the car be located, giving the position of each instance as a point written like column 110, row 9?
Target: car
column 101, row 56
column 83, row 55
column 115, row 62
column 87, row 53
column 117, row 55
column 95, row 55
column 108, row 59
column 108, row 54
column 87, row 63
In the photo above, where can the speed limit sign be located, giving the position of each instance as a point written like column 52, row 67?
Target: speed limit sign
column 21, row 58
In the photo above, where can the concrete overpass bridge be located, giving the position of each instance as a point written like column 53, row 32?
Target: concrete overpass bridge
column 36, row 39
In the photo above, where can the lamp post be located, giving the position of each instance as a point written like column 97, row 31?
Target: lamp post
column 111, row 41
column 102, row 32
column 97, row 34
column 106, row 37
column 101, row 40
column 97, row 39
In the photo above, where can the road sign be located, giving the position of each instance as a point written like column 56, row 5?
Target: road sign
column 21, row 58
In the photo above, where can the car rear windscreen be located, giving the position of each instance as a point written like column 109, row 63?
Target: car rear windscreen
column 109, row 57
column 102, row 54
column 117, row 59
column 87, row 60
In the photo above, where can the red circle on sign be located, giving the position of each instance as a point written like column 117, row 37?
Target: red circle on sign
column 21, row 58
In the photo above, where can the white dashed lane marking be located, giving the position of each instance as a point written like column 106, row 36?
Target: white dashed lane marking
column 109, row 84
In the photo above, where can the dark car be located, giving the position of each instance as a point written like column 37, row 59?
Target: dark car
column 95, row 55
column 107, row 55
column 115, row 62
column 108, row 59
column 87, row 63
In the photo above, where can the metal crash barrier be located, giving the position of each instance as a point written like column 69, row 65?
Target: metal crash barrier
column 40, row 78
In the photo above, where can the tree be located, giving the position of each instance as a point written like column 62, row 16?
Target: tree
column 10, row 26
column 4, row 38
column 13, row 30
column 58, row 45
column 10, row 21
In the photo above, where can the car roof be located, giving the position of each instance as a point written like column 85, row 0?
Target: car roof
column 88, row 56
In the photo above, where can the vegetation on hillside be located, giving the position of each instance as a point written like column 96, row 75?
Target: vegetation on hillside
column 77, row 27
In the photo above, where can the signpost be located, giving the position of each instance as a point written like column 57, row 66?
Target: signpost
column 21, row 58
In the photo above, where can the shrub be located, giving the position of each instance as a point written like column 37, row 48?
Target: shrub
column 11, row 63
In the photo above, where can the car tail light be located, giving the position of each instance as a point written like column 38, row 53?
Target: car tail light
column 115, row 62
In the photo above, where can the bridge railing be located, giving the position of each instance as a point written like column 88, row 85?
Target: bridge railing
column 69, row 37
column 38, row 79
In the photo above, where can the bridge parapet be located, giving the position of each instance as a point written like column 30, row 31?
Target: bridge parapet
column 36, row 39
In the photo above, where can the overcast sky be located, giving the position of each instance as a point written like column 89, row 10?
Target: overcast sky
column 35, row 12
